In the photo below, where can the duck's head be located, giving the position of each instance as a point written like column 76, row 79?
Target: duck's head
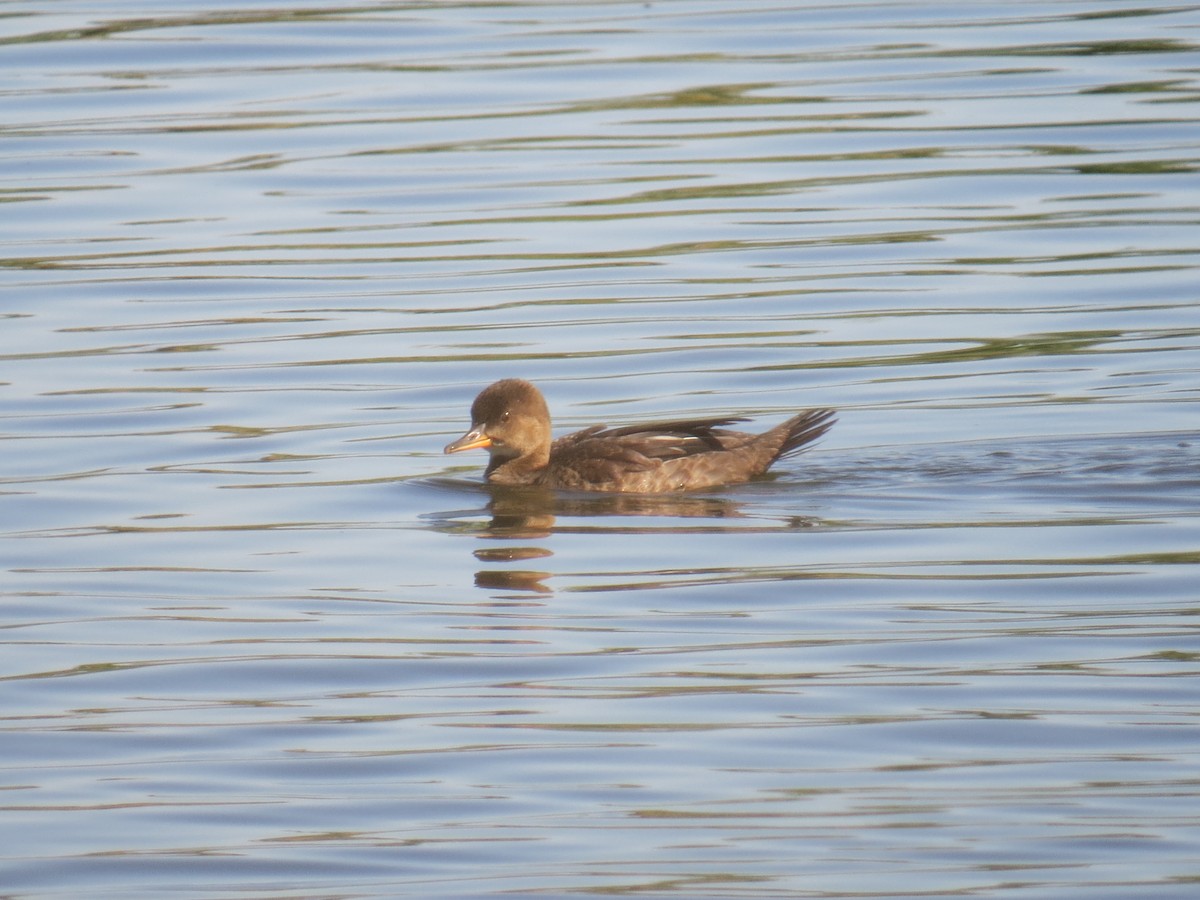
column 510, row 420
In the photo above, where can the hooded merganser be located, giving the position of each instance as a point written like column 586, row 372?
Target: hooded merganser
column 511, row 421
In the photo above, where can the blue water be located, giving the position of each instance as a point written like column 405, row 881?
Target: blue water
column 262, row 638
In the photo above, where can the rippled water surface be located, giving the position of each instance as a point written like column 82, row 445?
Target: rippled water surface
column 261, row 638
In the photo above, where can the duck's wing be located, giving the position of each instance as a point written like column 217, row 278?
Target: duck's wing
column 654, row 440
column 600, row 458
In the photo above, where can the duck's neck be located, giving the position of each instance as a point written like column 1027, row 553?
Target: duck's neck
column 525, row 469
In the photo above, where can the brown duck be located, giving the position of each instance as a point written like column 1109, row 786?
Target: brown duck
column 510, row 420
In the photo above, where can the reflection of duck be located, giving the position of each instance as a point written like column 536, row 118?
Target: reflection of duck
column 511, row 421
column 513, row 580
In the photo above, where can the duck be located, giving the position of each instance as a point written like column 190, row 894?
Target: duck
column 510, row 419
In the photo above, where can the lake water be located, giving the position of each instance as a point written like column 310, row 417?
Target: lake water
column 261, row 638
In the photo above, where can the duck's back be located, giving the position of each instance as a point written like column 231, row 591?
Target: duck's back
column 674, row 456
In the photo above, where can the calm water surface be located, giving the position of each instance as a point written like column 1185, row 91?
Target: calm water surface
column 261, row 638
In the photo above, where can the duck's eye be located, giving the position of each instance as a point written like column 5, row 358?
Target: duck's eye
column 504, row 416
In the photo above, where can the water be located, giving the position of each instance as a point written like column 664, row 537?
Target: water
column 261, row 638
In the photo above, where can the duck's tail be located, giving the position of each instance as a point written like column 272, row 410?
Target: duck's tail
column 805, row 428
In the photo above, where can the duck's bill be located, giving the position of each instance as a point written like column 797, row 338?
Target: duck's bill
column 472, row 440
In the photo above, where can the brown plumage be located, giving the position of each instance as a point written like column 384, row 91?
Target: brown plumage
column 511, row 421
